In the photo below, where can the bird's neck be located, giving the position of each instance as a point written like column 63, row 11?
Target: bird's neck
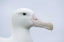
column 21, row 35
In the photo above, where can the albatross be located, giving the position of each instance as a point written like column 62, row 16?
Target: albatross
column 22, row 20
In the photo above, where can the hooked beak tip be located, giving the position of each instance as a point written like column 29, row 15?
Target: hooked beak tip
column 51, row 26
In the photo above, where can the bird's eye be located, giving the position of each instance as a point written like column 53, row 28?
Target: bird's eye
column 24, row 13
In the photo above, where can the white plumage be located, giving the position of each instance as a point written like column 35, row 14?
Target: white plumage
column 22, row 20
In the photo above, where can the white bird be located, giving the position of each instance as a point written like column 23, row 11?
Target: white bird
column 22, row 20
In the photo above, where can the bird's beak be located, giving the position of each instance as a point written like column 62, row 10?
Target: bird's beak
column 39, row 23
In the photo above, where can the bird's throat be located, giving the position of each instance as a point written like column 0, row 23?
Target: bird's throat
column 21, row 35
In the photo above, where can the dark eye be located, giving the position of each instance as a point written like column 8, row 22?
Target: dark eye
column 24, row 13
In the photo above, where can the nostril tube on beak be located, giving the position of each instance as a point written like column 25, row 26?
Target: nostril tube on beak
column 34, row 17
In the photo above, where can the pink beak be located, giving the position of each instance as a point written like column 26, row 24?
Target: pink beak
column 39, row 23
